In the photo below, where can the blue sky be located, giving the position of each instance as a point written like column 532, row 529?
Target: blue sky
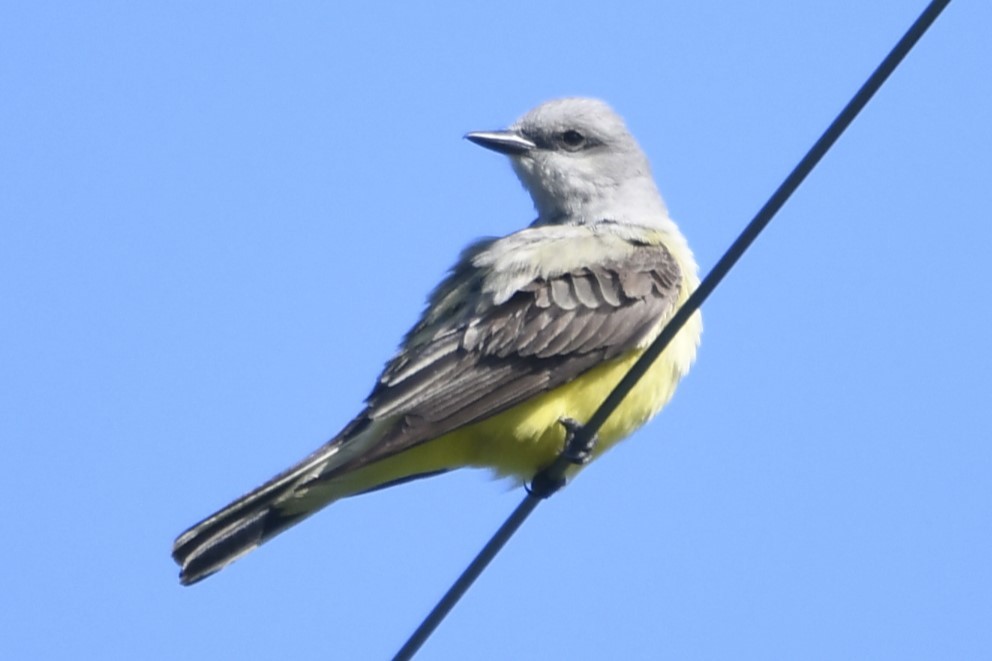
column 218, row 219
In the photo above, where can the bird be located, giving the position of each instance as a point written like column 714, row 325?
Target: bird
column 522, row 340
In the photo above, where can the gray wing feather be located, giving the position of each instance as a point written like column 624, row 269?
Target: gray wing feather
column 588, row 335
column 562, row 295
column 480, row 358
column 584, row 292
column 606, row 282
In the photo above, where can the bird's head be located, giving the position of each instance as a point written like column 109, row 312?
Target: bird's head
column 579, row 163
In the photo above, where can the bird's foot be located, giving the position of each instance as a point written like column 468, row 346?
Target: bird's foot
column 577, row 451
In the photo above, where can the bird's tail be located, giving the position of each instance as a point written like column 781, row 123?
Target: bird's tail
column 256, row 517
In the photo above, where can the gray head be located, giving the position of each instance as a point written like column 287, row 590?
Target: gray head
column 579, row 163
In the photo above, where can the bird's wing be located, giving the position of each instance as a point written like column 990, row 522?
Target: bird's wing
column 480, row 356
column 492, row 337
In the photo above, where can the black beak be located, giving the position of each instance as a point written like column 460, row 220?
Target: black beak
column 504, row 142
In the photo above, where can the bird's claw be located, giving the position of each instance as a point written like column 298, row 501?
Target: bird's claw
column 576, row 451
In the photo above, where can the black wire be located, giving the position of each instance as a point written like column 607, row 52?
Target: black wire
column 692, row 304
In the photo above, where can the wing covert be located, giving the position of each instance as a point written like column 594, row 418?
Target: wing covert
column 481, row 358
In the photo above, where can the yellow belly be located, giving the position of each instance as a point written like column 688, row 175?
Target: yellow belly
column 529, row 436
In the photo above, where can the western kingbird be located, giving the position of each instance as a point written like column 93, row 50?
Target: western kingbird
column 527, row 332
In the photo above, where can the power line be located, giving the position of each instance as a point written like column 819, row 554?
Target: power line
column 584, row 435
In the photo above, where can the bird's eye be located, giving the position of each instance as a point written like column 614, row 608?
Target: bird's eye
column 572, row 140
